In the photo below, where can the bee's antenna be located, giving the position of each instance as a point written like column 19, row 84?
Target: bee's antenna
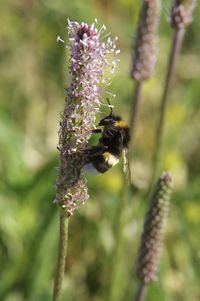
column 110, row 106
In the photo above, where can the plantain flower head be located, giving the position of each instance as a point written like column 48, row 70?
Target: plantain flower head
column 145, row 50
column 90, row 55
column 181, row 13
column 154, row 228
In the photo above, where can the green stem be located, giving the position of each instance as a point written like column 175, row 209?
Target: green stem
column 174, row 55
column 117, row 256
column 62, row 251
column 141, row 293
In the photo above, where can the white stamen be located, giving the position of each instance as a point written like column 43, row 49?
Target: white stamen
column 103, row 28
column 83, row 42
column 59, row 39
column 101, row 112
column 113, row 95
column 109, row 33
column 107, row 105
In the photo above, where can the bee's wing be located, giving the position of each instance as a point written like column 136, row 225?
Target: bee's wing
column 126, row 166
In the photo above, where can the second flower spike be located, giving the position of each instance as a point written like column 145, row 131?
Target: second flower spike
column 145, row 49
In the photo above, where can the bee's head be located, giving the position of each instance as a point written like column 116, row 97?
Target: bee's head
column 109, row 120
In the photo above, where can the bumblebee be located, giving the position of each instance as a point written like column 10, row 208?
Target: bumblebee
column 112, row 144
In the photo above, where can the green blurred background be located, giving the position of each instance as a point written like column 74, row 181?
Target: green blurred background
column 33, row 77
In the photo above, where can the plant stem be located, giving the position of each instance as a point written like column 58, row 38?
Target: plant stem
column 174, row 55
column 135, row 109
column 62, row 251
column 116, row 292
column 141, row 293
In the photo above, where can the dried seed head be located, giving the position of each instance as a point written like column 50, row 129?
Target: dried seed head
column 146, row 40
column 181, row 14
column 89, row 59
column 153, row 233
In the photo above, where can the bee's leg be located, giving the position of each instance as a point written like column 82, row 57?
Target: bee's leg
column 95, row 151
column 97, row 131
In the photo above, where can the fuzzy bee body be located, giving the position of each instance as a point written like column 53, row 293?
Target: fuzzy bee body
column 115, row 137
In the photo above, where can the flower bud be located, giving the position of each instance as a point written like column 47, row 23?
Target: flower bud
column 146, row 40
column 153, row 233
column 181, row 14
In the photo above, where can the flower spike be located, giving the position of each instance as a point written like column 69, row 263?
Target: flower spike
column 88, row 61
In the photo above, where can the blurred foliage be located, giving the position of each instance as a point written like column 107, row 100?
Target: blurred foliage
column 33, row 77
